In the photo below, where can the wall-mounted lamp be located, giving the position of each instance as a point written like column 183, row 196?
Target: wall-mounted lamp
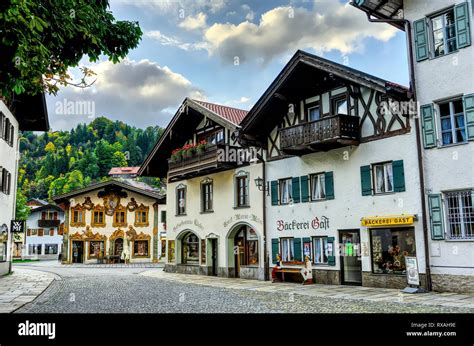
column 261, row 185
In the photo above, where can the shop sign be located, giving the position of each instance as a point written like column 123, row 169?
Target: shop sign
column 18, row 226
column 242, row 217
column 396, row 220
column 189, row 223
column 316, row 223
column 412, row 271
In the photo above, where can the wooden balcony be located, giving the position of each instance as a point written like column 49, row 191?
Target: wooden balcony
column 200, row 164
column 48, row 223
column 320, row 135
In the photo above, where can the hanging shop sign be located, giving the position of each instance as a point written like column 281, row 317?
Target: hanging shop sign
column 395, row 220
column 413, row 276
column 316, row 223
column 18, row 226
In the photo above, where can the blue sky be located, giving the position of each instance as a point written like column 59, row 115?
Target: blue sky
column 223, row 51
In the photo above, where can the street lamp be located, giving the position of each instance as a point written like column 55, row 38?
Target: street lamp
column 261, row 185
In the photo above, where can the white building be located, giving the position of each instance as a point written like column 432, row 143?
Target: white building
column 44, row 234
column 443, row 64
column 342, row 174
column 23, row 113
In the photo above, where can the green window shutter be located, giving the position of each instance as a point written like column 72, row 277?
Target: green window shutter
column 329, row 181
column 304, row 188
column 421, row 39
column 468, row 101
column 436, row 216
column 295, row 186
column 366, row 180
column 297, row 249
column 398, row 176
column 461, row 15
column 275, row 249
column 428, row 126
column 274, row 188
column 331, row 255
column 359, row 2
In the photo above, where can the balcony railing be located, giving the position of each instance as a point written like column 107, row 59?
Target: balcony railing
column 48, row 223
column 200, row 163
column 321, row 135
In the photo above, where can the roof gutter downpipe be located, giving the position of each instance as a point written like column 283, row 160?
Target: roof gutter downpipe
column 411, row 66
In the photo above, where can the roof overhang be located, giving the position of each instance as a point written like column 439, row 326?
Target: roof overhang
column 382, row 9
column 181, row 127
column 47, row 207
column 304, row 76
column 31, row 112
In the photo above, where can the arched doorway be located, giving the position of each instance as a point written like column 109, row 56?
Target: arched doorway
column 244, row 246
column 190, row 248
column 118, row 246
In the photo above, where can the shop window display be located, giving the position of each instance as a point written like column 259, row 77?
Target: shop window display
column 190, row 249
column 140, row 248
column 389, row 249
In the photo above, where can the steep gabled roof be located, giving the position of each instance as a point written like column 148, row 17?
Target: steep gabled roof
column 382, row 9
column 123, row 170
column 183, row 123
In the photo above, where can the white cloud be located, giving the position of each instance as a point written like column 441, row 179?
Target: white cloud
column 177, row 6
column 330, row 26
column 196, row 22
column 140, row 93
column 175, row 42
column 250, row 14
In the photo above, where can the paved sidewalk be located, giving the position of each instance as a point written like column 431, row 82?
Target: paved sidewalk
column 21, row 287
column 333, row 291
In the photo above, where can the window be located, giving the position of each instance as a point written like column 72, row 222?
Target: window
column 163, row 216
column 246, row 240
column 34, row 249
column 2, row 122
column 320, row 248
column 141, row 216
column 444, row 33
column 140, row 248
column 453, row 128
column 190, row 249
column 339, row 105
column 318, row 187
column 40, row 232
column 383, row 177
column 50, row 249
column 287, row 249
column 285, row 191
column 78, row 216
column 3, row 251
column 242, row 190
column 314, row 113
column 213, row 138
column 96, row 249
column 98, row 218
column 181, row 201
column 5, row 181
column 51, row 232
column 389, row 248
column 120, row 217
column 460, row 212
column 206, row 196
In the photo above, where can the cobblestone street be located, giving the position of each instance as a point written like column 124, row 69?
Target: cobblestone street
column 150, row 290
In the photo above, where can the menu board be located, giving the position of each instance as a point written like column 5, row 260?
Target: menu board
column 412, row 271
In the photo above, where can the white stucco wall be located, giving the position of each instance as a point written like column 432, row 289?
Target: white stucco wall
column 349, row 206
column 450, row 167
column 223, row 219
column 8, row 160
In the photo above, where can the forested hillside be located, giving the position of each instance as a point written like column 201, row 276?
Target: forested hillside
column 58, row 162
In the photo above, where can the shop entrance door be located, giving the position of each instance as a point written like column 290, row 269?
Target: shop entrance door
column 351, row 260
column 77, row 252
column 214, row 256
column 239, row 252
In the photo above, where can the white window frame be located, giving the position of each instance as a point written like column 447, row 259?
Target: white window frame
column 385, row 178
column 462, row 216
column 290, row 249
column 323, row 243
column 321, row 178
column 309, row 112
column 443, row 30
column 452, row 119
column 286, row 184
column 207, row 196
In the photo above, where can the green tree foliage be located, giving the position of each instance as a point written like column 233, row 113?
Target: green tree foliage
column 58, row 162
column 45, row 38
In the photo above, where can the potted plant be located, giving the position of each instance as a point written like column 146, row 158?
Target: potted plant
column 201, row 147
column 176, row 155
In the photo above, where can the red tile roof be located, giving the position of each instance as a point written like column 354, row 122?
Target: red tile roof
column 234, row 115
column 124, row 170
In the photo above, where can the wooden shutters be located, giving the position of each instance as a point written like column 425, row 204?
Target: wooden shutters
column 295, row 186
column 468, row 104
column 428, row 126
column 421, row 39
column 329, row 182
column 398, row 176
column 461, row 15
column 304, row 188
column 275, row 249
column 366, row 180
column 331, row 251
column 274, row 191
column 436, row 216
column 297, row 249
